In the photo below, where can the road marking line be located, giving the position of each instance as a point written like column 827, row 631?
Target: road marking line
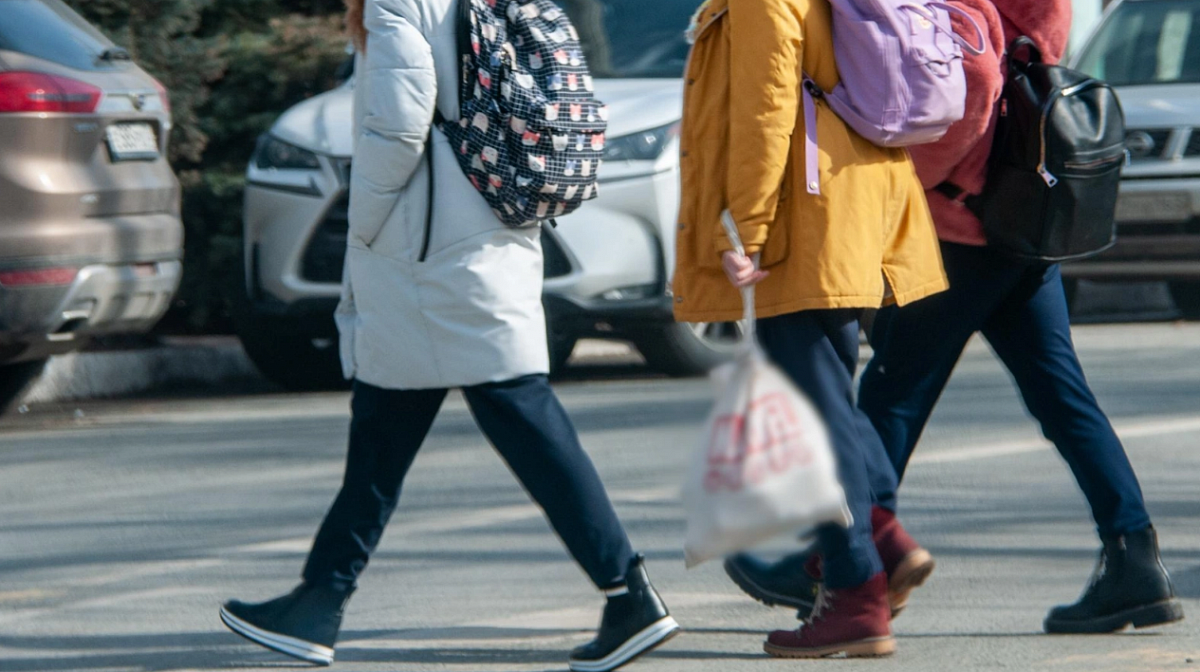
column 1157, row 426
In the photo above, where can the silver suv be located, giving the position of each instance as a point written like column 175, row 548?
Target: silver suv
column 606, row 266
column 1150, row 51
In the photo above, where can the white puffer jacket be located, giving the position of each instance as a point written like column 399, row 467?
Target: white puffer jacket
column 471, row 311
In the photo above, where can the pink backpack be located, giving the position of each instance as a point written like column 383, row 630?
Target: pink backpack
column 902, row 79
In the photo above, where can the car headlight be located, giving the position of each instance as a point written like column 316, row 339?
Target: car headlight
column 641, row 146
column 275, row 153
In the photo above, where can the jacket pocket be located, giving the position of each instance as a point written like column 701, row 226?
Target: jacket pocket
column 370, row 209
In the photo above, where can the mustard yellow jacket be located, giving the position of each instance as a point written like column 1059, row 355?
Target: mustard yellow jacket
column 743, row 149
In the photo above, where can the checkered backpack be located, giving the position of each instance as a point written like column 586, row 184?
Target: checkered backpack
column 531, row 133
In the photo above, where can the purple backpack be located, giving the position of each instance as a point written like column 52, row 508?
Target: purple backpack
column 902, row 79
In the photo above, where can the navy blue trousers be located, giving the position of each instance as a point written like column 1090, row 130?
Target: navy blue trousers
column 528, row 427
column 818, row 349
column 1022, row 312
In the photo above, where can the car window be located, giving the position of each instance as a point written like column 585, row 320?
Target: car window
column 1152, row 42
column 49, row 30
column 633, row 38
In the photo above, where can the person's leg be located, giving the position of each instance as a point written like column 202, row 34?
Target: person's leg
column 917, row 347
column 811, row 348
column 915, row 350
column 530, row 429
column 1031, row 334
column 387, row 428
column 818, row 350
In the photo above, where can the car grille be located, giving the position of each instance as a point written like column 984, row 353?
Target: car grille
column 1148, row 143
column 1193, row 145
column 325, row 257
column 326, row 254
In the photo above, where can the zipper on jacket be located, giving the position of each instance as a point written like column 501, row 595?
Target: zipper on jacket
column 429, row 201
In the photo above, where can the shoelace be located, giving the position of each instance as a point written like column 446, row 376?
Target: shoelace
column 822, row 604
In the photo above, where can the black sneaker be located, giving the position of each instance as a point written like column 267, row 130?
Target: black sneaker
column 1130, row 586
column 786, row 583
column 633, row 624
column 303, row 624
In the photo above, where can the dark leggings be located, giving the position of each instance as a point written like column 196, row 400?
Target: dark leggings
column 529, row 428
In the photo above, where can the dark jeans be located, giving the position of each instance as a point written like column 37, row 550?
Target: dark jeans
column 1022, row 313
column 529, row 428
column 818, row 349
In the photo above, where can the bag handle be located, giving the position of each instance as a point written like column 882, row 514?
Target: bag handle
column 1025, row 42
column 928, row 15
column 748, row 316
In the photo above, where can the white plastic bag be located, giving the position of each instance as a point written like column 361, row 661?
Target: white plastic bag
column 764, row 466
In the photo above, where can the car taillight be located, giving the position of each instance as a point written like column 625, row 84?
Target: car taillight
column 40, row 276
column 40, row 92
column 162, row 94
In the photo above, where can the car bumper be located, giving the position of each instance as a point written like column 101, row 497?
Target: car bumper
column 605, row 265
column 1158, row 234
column 38, row 321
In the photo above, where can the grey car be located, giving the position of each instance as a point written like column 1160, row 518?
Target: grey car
column 90, row 231
column 1150, row 51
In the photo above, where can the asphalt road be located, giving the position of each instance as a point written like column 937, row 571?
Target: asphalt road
column 123, row 526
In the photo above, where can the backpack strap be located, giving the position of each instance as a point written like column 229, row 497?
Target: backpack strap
column 812, row 157
column 466, row 54
column 959, row 195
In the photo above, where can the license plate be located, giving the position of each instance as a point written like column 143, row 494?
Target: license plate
column 132, row 142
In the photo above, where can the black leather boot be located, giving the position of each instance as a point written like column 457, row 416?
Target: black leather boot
column 786, row 583
column 303, row 624
column 633, row 623
column 1130, row 586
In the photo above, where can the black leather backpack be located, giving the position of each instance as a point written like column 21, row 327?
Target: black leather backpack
column 1055, row 167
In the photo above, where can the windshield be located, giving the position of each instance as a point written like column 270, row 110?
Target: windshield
column 1151, row 42
column 633, row 38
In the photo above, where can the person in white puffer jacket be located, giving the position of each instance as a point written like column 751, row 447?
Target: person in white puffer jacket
column 439, row 294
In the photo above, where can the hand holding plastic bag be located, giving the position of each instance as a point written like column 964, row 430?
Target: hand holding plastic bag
column 764, row 466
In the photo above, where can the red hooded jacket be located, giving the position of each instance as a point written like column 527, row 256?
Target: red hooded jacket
column 961, row 156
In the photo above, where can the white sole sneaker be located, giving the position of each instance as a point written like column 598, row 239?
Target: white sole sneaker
column 654, row 634
column 291, row 646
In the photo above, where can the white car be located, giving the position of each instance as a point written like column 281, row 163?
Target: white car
column 607, row 266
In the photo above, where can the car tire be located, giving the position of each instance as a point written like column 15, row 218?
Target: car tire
column 288, row 354
column 687, row 349
column 287, row 350
column 15, row 381
column 1187, row 299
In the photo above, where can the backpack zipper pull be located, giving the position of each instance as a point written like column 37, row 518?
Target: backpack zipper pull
column 1050, row 179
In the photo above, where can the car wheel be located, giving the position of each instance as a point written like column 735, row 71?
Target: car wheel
column 287, row 353
column 287, row 350
column 15, row 381
column 689, row 349
column 1187, row 299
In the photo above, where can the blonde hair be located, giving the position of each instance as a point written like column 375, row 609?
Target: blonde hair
column 354, row 24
